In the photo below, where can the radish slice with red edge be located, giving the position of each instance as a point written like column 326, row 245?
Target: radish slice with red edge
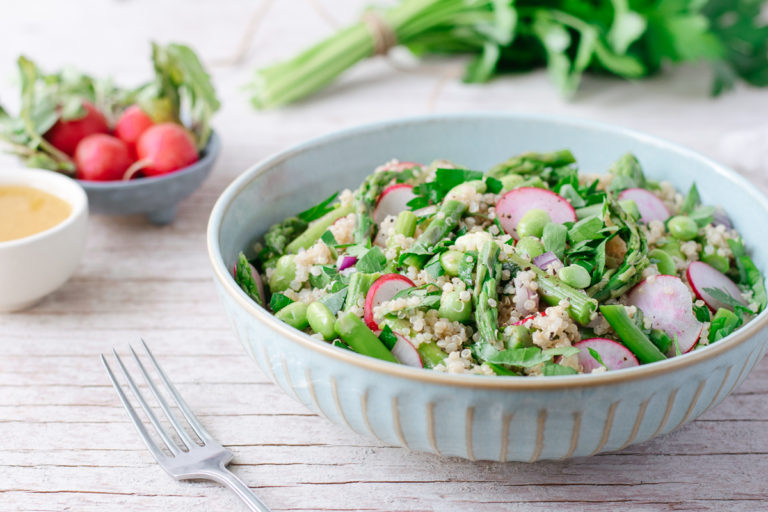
column 667, row 301
column 393, row 200
column 614, row 355
column 382, row 290
column 648, row 204
column 702, row 276
column 515, row 203
column 406, row 353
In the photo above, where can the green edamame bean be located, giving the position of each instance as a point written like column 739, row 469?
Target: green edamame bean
column 672, row 247
column 453, row 308
column 715, row 260
column 533, row 222
column 529, row 247
column 450, row 260
column 663, row 261
column 575, row 275
column 511, row 181
column 517, row 336
column 284, row 274
column 294, row 314
column 321, row 320
column 405, row 224
column 682, row 227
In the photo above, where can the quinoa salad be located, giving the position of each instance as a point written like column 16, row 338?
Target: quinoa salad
column 531, row 268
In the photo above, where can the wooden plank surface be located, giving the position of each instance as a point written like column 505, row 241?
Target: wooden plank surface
column 67, row 445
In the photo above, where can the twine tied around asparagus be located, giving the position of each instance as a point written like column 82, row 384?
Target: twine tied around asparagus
column 382, row 34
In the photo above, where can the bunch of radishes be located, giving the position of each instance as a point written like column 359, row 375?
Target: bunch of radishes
column 136, row 146
column 77, row 124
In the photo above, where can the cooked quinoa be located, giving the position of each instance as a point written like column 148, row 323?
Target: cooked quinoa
column 528, row 269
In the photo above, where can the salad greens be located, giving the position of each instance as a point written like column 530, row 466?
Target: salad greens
column 530, row 268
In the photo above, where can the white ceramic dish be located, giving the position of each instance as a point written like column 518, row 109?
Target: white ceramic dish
column 34, row 266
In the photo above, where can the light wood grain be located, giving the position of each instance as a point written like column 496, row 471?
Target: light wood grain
column 65, row 444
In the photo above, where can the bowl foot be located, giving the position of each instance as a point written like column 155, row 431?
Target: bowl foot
column 163, row 216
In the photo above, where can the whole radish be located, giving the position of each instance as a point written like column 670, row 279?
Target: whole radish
column 66, row 135
column 101, row 157
column 131, row 124
column 164, row 148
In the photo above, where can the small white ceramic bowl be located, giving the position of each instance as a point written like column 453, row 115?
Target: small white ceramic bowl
column 34, row 266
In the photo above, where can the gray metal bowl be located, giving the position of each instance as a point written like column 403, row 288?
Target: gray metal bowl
column 156, row 197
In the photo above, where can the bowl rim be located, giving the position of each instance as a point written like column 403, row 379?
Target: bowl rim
column 209, row 154
column 498, row 382
column 79, row 207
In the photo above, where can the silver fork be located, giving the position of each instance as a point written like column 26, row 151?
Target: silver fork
column 193, row 460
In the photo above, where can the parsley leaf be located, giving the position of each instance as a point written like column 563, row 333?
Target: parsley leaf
column 319, row 209
column 278, row 301
column 388, row 337
column 596, row 356
column 372, row 261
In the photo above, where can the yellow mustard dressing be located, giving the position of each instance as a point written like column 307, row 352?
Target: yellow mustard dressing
column 25, row 211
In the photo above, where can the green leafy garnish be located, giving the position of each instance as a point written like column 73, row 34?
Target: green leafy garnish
column 319, row 209
column 554, row 238
column 552, row 369
column 724, row 322
column 372, row 261
column 335, row 300
column 596, row 356
column 278, row 301
column 749, row 275
column 388, row 337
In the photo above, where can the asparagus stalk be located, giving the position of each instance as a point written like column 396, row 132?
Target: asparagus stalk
column 317, row 227
column 431, row 354
column 635, row 260
column 532, row 163
column 359, row 283
column 445, row 220
column 630, row 334
column 357, row 335
column 553, row 290
column 486, row 294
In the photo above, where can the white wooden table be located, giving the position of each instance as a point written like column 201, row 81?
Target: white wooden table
column 65, row 443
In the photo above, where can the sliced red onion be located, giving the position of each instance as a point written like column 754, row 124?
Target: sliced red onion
column 721, row 217
column 346, row 261
column 544, row 260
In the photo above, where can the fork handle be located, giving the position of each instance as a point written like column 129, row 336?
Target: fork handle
column 225, row 477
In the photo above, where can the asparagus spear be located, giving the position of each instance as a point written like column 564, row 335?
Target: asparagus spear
column 486, row 283
column 553, row 290
column 614, row 284
column 317, row 227
column 532, row 163
column 446, row 219
column 630, row 334
column 357, row 335
column 278, row 237
column 365, row 201
column 627, row 173
column 359, row 283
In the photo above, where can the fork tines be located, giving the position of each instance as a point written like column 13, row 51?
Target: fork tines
column 187, row 442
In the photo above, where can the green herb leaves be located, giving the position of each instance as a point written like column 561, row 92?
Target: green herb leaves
column 319, row 209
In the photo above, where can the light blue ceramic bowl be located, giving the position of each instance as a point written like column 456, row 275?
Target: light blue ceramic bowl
column 500, row 418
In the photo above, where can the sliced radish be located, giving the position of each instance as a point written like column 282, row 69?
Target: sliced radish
column 614, row 355
column 406, row 353
column 649, row 206
column 382, row 290
column 393, row 200
column 515, row 203
column 702, row 276
column 668, row 303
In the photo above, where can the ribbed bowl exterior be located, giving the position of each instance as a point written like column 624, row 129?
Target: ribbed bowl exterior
column 506, row 419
